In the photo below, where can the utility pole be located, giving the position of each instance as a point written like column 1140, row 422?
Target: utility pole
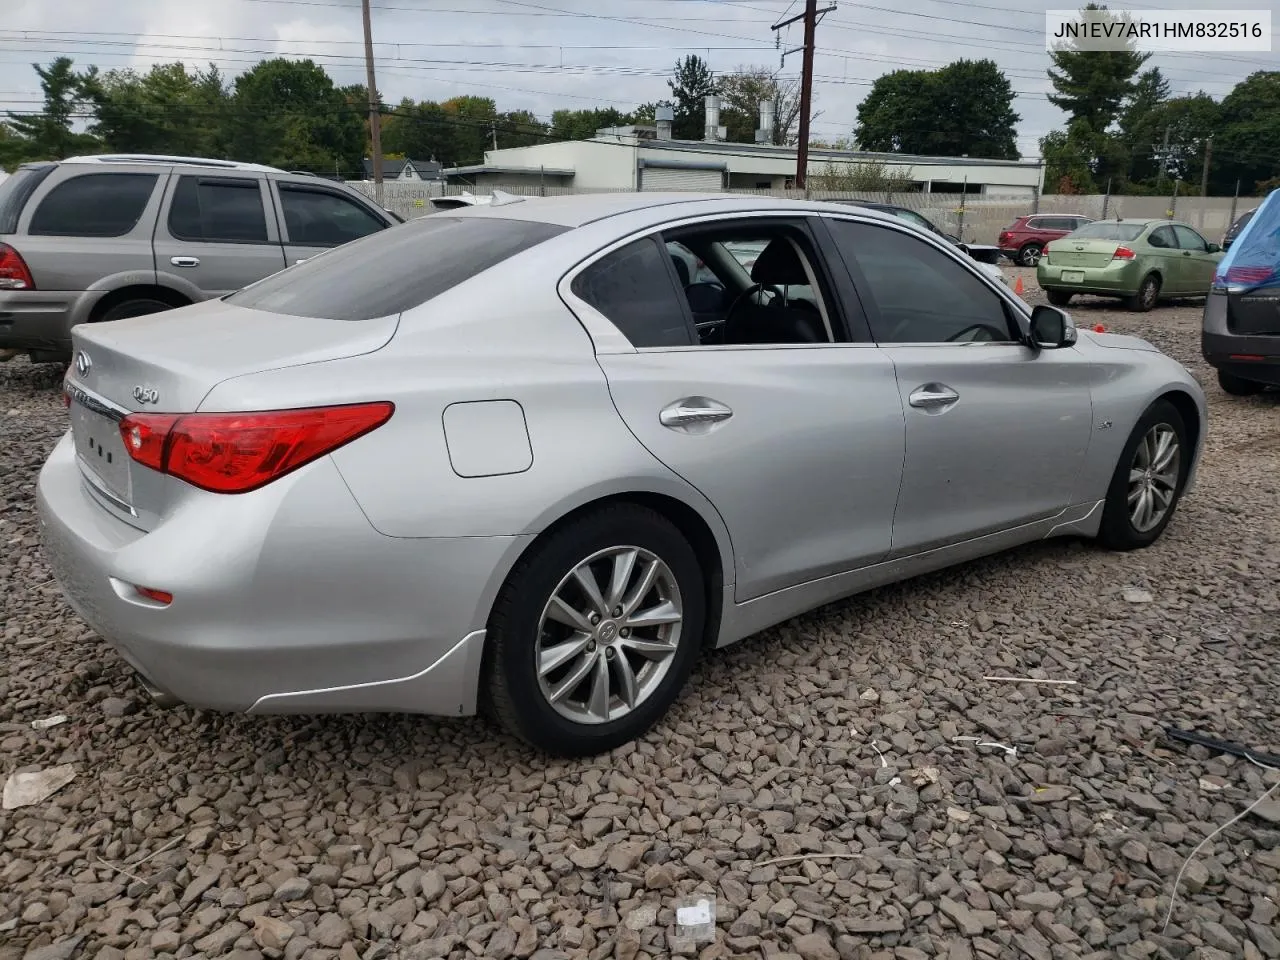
column 375, row 119
column 1204, row 174
column 810, row 18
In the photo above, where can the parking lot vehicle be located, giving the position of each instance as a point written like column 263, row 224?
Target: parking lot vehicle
column 1141, row 261
column 1240, row 335
column 505, row 459
column 1234, row 230
column 1024, row 239
column 99, row 238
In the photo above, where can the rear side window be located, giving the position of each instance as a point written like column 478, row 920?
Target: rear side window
column 395, row 269
column 16, row 190
column 93, row 205
column 218, row 209
column 320, row 218
column 632, row 287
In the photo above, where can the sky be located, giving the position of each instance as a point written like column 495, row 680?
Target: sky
column 543, row 55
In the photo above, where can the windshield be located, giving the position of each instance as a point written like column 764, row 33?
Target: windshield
column 1108, row 230
column 395, row 269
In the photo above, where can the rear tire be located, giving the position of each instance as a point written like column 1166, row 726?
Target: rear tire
column 1147, row 296
column 1059, row 298
column 546, row 629
column 1029, row 254
column 1238, row 386
column 137, row 307
column 1146, row 469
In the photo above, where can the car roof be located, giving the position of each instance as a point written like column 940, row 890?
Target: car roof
column 576, row 210
column 168, row 160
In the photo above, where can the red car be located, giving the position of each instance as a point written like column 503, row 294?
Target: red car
column 1023, row 240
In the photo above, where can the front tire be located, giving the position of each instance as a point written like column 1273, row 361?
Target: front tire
column 595, row 631
column 1147, row 296
column 1238, row 386
column 1059, row 298
column 1148, row 481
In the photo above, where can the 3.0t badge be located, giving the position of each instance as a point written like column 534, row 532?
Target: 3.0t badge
column 146, row 394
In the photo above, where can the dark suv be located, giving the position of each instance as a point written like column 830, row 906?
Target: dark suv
column 106, row 237
column 1023, row 240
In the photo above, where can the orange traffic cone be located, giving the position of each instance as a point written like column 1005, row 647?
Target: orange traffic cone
column 1017, row 287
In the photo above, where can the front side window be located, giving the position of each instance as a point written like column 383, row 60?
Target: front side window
column 218, row 209
column 920, row 294
column 1188, row 239
column 632, row 287
column 320, row 218
column 93, row 205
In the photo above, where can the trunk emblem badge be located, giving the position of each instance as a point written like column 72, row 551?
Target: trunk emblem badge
column 83, row 364
column 146, row 394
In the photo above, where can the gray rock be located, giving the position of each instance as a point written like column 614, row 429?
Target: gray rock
column 815, row 946
column 294, row 888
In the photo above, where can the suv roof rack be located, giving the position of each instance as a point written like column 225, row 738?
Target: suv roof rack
column 172, row 160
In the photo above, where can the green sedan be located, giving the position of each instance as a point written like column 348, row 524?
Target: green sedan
column 1142, row 261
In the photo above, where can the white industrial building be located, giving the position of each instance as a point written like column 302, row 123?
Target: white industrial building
column 647, row 158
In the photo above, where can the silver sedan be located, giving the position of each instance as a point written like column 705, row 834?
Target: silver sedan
column 517, row 460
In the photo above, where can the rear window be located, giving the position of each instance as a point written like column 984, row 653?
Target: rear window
column 1240, row 224
column 93, row 205
column 16, row 190
column 395, row 269
column 1108, row 230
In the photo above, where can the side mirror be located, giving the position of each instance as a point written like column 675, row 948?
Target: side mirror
column 1051, row 328
column 1214, row 248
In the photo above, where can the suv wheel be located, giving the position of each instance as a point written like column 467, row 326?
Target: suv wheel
column 1029, row 254
column 1238, row 386
column 133, row 308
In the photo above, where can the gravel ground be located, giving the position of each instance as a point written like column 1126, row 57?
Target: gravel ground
column 191, row 834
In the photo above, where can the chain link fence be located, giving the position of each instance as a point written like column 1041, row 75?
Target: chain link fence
column 971, row 217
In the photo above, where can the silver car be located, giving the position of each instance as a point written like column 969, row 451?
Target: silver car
column 496, row 459
column 99, row 238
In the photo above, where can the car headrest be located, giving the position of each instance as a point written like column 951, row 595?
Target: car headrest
column 682, row 270
column 780, row 265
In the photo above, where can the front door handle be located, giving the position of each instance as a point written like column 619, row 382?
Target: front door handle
column 932, row 396
column 1186, row 253
column 185, row 261
column 694, row 414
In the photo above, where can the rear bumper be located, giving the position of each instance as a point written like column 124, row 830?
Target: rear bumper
column 1117, row 277
column 42, row 319
column 1250, row 358
column 274, row 612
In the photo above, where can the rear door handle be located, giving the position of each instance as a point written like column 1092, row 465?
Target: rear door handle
column 932, row 396
column 185, row 261
column 694, row 414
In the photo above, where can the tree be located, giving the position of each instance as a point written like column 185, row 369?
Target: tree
column 690, row 84
column 583, row 124
column 47, row 135
column 166, row 110
column 741, row 93
column 288, row 113
column 1139, row 126
column 520, row 128
column 964, row 108
column 1091, row 85
column 1247, row 143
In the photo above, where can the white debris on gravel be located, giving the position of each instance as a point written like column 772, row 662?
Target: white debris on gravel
column 24, row 789
column 373, row 838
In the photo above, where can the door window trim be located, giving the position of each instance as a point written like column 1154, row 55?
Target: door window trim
column 1020, row 316
column 264, row 195
column 609, row 340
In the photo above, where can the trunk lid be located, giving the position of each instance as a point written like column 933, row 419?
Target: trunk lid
column 167, row 363
column 1069, row 252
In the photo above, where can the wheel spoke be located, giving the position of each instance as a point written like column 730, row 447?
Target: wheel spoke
column 587, row 581
column 624, row 565
column 656, row 616
column 1134, row 493
column 598, row 702
column 1144, row 509
column 1136, row 475
column 653, row 649
column 1166, row 450
column 627, row 687
column 571, row 682
column 561, row 612
column 1162, row 496
column 636, row 597
column 553, row 657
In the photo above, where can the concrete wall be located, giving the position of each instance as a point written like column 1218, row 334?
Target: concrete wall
column 596, row 165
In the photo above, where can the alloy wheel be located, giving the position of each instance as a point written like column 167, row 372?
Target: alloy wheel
column 608, row 635
column 1149, row 290
column 1153, row 477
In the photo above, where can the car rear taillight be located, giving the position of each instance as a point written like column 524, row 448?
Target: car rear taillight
column 14, row 274
column 1248, row 275
column 1005, row 237
column 239, row 452
column 1122, row 253
column 1044, row 250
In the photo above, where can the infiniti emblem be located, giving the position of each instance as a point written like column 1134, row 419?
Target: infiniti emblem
column 83, row 363
column 146, row 394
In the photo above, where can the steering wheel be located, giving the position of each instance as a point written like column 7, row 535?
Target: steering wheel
column 993, row 335
column 741, row 298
